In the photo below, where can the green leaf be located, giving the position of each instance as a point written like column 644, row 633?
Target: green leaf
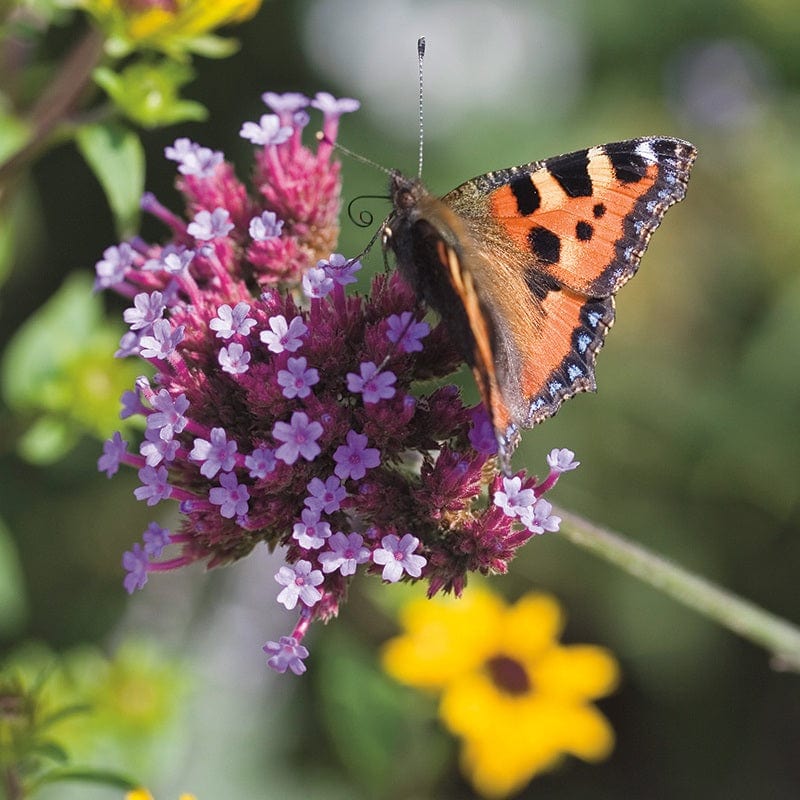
column 89, row 775
column 14, row 133
column 47, row 440
column 65, row 713
column 370, row 719
column 212, row 46
column 59, row 366
column 149, row 93
column 116, row 157
column 50, row 750
column 13, row 601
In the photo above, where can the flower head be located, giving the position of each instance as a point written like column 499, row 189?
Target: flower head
column 517, row 698
column 291, row 407
column 172, row 28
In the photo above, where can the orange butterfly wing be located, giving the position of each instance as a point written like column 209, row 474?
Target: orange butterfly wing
column 549, row 243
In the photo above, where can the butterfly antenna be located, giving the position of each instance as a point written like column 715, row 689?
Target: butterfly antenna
column 321, row 137
column 420, row 57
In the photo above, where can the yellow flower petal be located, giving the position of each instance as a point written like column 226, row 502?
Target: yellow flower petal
column 445, row 638
column 585, row 732
column 472, row 706
column 512, row 749
column 531, row 626
column 578, row 671
column 139, row 794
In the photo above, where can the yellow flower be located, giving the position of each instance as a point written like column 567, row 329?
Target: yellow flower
column 139, row 794
column 170, row 26
column 517, row 698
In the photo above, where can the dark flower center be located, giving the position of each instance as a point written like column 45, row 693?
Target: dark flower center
column 509, row 675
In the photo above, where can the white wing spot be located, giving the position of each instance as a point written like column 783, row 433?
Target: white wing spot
column 644, row 150
column 593, row 317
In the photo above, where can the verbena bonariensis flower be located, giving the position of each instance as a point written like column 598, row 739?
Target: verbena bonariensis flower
column 288, row 411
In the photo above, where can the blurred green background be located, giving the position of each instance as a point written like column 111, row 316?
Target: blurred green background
column 691, row 446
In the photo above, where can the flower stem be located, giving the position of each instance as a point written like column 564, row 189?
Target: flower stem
column 779, row 637
column 57, row 101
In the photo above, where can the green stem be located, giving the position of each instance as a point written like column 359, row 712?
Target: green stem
column 779, row 637
column 12, row 785
column 56, row 102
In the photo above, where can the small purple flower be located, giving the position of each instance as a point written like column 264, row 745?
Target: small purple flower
column 481, row 435
column 300, row 119
column 345, row 554
column 513, row 499
column 110, row 270
column 316, row 282
column 114, row 450
column 373, row 386
column 210, row 225
column 215, row 454
column 339, row 269
column 176, row 261
column 298, row 378
column 286, row 654
column 155, row 449
column 234, row 359
column 147, row 308
column 131, row 404
column 128, row 345
column 331, row 107
column 300, row 583
column 405, row 333
column 284, row 336
column 155, row 539
column 398, row 557
column 260, row 462
column 562, row 460
column 163, row 341
column 167, row 418
column 230, row 321
column 154, row 486
column 135, row 563
column 231, row 496
column 289, row 102
column 299, row 438
column 179, row 149
column 312, row 532
column 355, row 458
column 538, row 519
column 267, row 131
column 193, row 159
column 325, row 496
column 265, row 227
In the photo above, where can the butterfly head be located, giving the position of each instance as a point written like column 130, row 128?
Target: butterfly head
column 405, row 195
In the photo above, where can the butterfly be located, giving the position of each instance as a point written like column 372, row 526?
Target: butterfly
column 522, row 265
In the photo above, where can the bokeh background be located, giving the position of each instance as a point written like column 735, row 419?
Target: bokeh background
column 691, row 446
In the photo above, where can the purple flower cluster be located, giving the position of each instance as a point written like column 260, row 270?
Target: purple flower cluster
column 284, row 410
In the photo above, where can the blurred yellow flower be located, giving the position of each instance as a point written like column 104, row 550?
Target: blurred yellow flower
column 518, row 699
column 170, row 26
column 143, row 794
